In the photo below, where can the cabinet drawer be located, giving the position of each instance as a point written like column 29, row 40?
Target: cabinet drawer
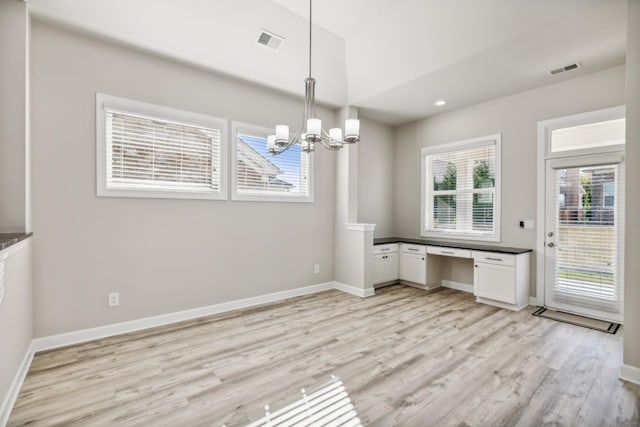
column 460, row 253
column 413, row 249
column 494, row 258
column 383, row 249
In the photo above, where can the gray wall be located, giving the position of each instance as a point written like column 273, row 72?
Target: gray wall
column 14, row 24
column 376, row 176
column 632, row 195
column 161, row 255
column 516, row 118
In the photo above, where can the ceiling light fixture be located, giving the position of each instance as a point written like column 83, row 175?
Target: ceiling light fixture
column 307, row 138
column 440, row 102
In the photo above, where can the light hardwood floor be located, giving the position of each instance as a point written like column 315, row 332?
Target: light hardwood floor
column 407, row 357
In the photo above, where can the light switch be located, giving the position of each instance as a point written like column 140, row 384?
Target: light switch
column 528, row 224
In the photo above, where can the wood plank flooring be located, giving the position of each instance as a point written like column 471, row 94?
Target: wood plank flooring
column 407, row 358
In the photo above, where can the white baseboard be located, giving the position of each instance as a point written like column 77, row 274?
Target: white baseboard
column 16, row 385
column 84, row 335
column 359, row 292
column 465, row 287
column 500, row 304
column 533, row 301
column 630, row 373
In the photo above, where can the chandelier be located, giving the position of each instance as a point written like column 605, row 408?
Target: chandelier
column 308, row 137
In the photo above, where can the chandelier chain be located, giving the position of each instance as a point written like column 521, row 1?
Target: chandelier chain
column 310, row 24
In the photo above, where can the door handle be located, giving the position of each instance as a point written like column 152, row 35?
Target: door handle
column 550, row 244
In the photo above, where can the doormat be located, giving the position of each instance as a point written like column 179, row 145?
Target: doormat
column 574, row 319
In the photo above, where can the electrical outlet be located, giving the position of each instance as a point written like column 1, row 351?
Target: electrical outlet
column 316, row 269
column 114, row 299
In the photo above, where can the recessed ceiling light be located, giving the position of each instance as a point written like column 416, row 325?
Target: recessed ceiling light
column 440, row 102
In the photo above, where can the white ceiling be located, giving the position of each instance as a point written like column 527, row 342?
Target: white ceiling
column 392, row 59
column 341, row 17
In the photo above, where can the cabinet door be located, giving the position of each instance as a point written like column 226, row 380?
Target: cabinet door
column 391, row 267
column 413, row 268
column 378, row 268
column 496, row 282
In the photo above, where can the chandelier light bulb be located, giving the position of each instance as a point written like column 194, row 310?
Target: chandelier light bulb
column 314, row 127
column 271, row 144
column 282, row 135
column 351, row 131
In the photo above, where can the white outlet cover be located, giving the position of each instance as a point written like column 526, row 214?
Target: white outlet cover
column 529, row 224
column 114, row 299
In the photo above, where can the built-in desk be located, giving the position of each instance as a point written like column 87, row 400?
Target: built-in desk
column 500, row 273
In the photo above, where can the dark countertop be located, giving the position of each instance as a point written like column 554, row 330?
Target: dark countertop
column 10, row 239
column 457, row 245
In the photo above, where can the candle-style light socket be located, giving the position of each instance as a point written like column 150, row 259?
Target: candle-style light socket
column 314, row 130
column 351, row 131
column 335, row 138
column 282, row 135
column 271, row 144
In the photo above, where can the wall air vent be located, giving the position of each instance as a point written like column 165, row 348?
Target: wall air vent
column 569, row 67
column 270, row 40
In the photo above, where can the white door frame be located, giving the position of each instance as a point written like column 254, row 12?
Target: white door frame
column 544, row 153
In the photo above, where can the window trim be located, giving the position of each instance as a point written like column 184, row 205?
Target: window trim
column 261, row 131
column 136, row 107
column 495, row 139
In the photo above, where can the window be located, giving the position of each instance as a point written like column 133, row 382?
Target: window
column 461, row 190
column 589, row 135
column 608, row 194
column 145, row 150
column 260, row 176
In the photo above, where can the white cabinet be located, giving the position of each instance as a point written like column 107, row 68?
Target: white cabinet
column 385, row 264
column 413, row 268
column 501, row 279
column 385, row 268
column 416, row 268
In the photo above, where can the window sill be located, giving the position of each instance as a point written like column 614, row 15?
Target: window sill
column 461, row 236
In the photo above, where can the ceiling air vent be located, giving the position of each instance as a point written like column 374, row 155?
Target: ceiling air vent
column 270, row 40
column 569, row 67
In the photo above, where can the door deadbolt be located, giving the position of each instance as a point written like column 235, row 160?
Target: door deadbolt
column 550, row 244
column 550, row 234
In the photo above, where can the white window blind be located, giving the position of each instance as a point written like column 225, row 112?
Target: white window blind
column 461, row 190
column 152, row 151
column 259, row 175
column 588, row 233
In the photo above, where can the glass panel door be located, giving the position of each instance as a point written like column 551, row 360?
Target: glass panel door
column 583, row 239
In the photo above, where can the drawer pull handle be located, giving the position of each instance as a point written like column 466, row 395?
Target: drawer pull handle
column 413, row 249
column 447, row 252
column 384, row 249
column 495, row 259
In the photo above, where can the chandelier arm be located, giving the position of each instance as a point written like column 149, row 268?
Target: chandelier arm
column 326, row 144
